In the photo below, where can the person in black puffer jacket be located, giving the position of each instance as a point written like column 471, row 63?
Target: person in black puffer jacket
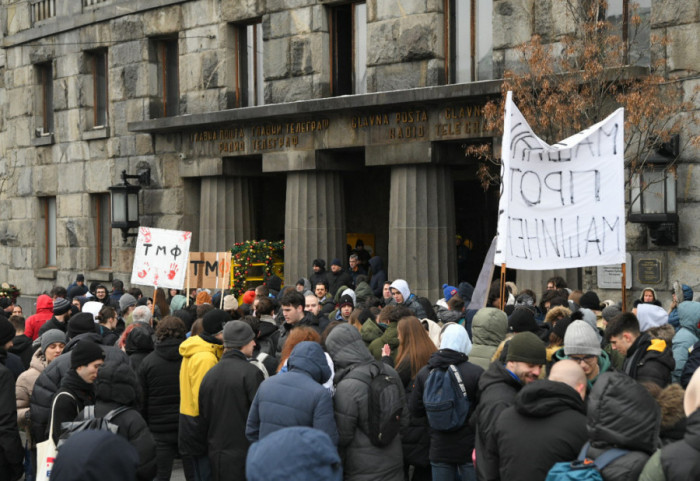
column 159, row 375
column 139, row 344
column 622, row 414
column 117, row 386
column 454, row 348
column 49, row 382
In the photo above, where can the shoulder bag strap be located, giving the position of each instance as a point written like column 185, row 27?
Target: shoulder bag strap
column 53, row 408
column 115, row 412
column 608, row 457
column 458, row 377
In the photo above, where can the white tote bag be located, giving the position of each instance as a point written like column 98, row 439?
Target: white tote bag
column 46, row 451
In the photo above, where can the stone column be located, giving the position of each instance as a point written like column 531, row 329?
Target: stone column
column 422, row 228
column 226, row 213
column 314, row 221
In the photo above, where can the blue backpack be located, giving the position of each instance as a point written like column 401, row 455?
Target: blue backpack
column 584, row 468
column 445, row 399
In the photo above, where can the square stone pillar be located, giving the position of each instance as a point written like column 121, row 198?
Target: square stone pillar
column 226, row 213
column 422, row 228
column 314, row 221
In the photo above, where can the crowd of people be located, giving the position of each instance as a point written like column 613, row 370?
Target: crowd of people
column 349, row 375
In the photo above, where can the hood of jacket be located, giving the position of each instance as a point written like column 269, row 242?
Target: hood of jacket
column 38, row 362
column 622, row 413
column 346, row 347
column 489, row 326
column 93, row 336
column 375, row 263
column 689, row 316
column 20, row 343
column 117, row 383
column 370, row 331
column 44, row 306
column 687, row 293
column 444, row 357
column 195, row 345
column 308, row 356
column 139, row 340
column 450, row 316
column 363, row 292
column 544, row 398
column 169, row 348
column 402, row 286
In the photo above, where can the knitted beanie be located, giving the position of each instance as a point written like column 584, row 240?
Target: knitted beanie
column 60, row 306
column 84, row 353
column 346, row 300
column 581, row 339
column 7, row 331
column 214, row 320
column 448, row 291
column 80, row 324
column 526, row 347
column 237, row 334
column 51, row 336
column 561, row 326
column 590, row 300
column 125, row 301
column 522, row 320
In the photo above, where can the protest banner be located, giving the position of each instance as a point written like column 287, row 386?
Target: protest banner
column 160, row 258
column 561, row 206
column 483, row 283
column 210, row 270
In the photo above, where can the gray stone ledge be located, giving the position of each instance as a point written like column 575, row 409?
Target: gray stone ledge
column 45, row 273
column 42, row 140
column 97, row 14
column 97, row 133
column 99, row 275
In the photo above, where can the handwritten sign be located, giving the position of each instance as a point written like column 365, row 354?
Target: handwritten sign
column 211, row 270
column 561, row 205
column 160, row 258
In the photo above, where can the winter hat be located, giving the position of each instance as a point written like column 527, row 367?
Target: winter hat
column 336, row 262
column 80, row 278
column 77, row 291
column 177, row 302
column 346, row 300
column 214, row 320
column 526, row 347
column 465, row 291
column 203, row 298
column 80, row 324
column 351, row 293
column 590, row 300
column 524, row 300
column 319, row 263
column 310, row 454
column 92, row 307
column 560, row 327
column 85, row 352
column 60, row 306
column 248, row 297
column 125, row 301
column 7, row 331
column 237, row 334
column 448, row 291
column 522, row 320
column 455, row 337
column 651, row 315
column 230, row 303
column 51, row 336
column 402, row 286
column 610, row 312
column 581, row 339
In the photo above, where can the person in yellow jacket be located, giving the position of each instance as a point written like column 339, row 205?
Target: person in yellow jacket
column 199, row 354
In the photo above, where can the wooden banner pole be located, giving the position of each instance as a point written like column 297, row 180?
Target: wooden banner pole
column 155, row 296
column 624, row 287
column 222, row 266
column 503, row 287
column 187, row 276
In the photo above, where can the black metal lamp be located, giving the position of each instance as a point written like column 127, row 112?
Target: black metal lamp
column 125, row 202
column 653, row 195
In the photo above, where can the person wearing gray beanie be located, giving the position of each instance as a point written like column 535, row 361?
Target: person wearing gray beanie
column 127, row 303
column 581, row 345
column 50, row 337
column 237, row 335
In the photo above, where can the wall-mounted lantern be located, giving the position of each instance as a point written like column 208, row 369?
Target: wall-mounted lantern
column 125, row 202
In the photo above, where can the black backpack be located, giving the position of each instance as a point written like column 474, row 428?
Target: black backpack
column 86, row 420
column 386, row 402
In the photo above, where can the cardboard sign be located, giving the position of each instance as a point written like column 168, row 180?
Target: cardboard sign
column 160, row 259
column 211, row 270
column 562, row 206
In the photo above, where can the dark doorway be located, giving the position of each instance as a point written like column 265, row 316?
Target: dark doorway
column 269, row 196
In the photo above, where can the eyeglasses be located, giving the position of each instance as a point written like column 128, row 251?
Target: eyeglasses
column 579, row 359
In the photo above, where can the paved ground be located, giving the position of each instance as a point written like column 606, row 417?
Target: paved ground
column 178, row 473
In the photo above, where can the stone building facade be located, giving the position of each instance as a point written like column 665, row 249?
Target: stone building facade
column 302, row 120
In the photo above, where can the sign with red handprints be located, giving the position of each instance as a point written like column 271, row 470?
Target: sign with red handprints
column 160, row 258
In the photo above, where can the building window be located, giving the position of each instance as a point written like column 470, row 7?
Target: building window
column 165, row 54
column 250, row 87
column 48, row 217
column 103, row 230
column 44, row 124
column 98, row 70
column 631, row 21
column 349, row 49
column 469, row 39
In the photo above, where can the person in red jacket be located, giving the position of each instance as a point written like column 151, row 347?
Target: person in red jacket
column 44, row 312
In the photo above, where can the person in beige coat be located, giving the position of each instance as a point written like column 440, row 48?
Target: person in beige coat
column 52, row 344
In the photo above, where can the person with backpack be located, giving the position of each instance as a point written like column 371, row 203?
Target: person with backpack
column 368, row 442
column 545, row 425
column 117, row 388
column 449, row 379
column 295, row 398
column 77, row 386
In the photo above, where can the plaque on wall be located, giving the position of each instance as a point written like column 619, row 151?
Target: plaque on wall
column 649, row 271
column 610, row 277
